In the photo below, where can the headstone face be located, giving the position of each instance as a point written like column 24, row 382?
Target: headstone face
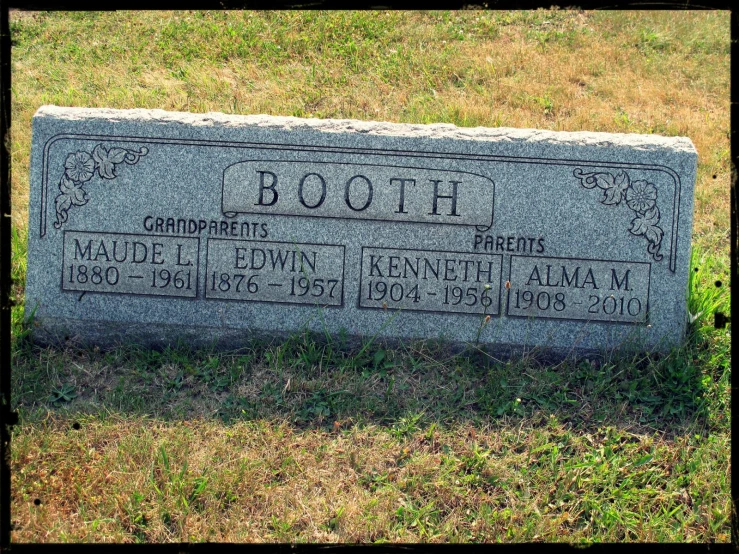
column 157, row 226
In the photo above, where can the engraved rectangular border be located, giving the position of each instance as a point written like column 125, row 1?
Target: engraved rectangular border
column 594, row 321
column 443, row 312
column 83, row 292
column 325, row 148
column 306, row 304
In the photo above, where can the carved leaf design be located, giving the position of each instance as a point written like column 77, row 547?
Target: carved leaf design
column 641, row 223
column 76, row 193
column 116, row 155
column 99, row 154
column 66, row 186
column 587, row 180
column 604, row 180
column 71, row 194
column 105, row 160
column 63, row 203
column 653, row 249
column 646, row 224
column 616, row 189
column 654, row 234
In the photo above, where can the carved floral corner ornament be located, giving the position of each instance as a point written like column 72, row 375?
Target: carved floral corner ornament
column 641, row 198
column 80, row 167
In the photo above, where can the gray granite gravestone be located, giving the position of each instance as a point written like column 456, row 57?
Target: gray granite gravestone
column 155, row 226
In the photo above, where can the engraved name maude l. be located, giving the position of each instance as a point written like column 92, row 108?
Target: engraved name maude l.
column 135, row 264
column 358, row 191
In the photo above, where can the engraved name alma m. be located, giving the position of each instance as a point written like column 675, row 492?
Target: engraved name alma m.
column 588, row 290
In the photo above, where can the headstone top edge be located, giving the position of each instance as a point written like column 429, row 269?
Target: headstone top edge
column 375, row 128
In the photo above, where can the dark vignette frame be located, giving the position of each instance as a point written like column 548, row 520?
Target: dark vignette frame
column 8, row 418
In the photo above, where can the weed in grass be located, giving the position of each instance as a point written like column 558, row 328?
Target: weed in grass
column 421, row 519
column 282, row 529
column 406, row 426
column 651, row 40
column 64, row 393
column 334, row 521
column 706, row 292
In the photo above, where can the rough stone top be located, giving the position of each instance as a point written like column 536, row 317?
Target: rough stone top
column 377, row 128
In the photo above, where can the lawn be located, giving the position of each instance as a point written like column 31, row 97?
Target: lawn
column 300, row 440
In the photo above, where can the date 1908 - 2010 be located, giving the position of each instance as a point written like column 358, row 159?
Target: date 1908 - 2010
column 588, row 290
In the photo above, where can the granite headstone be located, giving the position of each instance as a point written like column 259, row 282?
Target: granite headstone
column 154, row 226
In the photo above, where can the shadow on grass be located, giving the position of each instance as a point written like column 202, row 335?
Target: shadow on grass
column 314, row 383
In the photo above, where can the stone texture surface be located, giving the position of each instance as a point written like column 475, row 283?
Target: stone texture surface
column 155, row 226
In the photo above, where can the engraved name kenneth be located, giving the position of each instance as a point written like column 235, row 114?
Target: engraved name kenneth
column 358, row 191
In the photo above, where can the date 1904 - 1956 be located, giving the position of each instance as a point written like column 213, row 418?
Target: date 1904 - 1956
column 435, row 281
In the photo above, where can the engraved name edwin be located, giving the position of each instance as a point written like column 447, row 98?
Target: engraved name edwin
column 358, row 191
column 275, row 259
column 292, row 273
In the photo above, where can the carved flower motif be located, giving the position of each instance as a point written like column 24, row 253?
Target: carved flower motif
column 641, row 196
column 79, row 166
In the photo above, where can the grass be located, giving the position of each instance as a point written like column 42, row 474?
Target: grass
column 309, row 439
column 266, row 481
